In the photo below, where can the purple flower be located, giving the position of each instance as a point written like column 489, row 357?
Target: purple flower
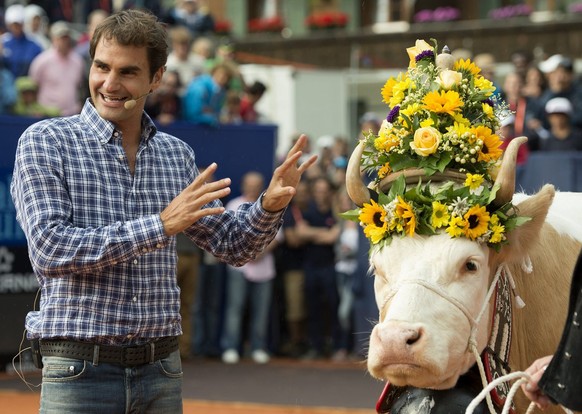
column 425, row 54
column 393, row 114
column 423, row 16
column 489, row 102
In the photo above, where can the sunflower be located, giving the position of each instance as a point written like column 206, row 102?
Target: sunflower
column 497, row 234
column 387, row 90
column 484, row 85
column 488, row 110
column 400, row 89
column 443, row 102
column 373, row 217
column 404, row 217
column 490, row 151
column 466, row 66
column 474, row 181
column 384, row 171
column 476, row 222
column 440, row 215
column 456, row 225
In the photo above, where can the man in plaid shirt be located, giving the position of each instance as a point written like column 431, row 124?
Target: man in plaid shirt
column 101, row 196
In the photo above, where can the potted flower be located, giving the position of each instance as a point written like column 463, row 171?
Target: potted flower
column 266, row 24
column 222, row 26
column 327, row 20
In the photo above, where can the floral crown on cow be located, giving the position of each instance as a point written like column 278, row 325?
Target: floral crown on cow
column 440, row 128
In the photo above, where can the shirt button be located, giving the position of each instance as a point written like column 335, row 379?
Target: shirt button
column 134, row 299
column 561, row 386
column 135, row 261
column 567, row 355
column 121, row 157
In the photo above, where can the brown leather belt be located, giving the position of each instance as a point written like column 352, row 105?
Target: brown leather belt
column 127, row 356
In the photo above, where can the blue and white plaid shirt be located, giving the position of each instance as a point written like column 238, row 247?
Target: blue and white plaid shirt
column 95, row 239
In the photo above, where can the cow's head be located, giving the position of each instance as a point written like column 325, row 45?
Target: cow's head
column 431, row 289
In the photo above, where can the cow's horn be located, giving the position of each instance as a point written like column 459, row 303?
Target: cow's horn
column 355, row 187
column 506, row 176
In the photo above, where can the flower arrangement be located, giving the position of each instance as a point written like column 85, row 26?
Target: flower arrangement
column 440, row 14
column 327, row 20
column 442, row 117
column 266, row 24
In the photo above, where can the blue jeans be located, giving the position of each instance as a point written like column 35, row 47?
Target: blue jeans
column 208, row 310
column 259, row 297
column 77, row 386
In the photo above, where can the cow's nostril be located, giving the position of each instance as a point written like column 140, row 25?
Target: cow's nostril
column 412, row 337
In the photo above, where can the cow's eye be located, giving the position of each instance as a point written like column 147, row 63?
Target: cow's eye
column 471, row 266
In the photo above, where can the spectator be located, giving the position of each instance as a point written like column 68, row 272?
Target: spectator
column 369, row 123
column 190, row 14
column 535, row 83
column 27, row 103
column 250, row 284
column 507, row 132
column 153, row 6
column 187, row 279
column 512, row 94
column 231, row 110
column 320, row 229
column 559, row 71
column 346, row 264
column 8, row 95
column 293, row 275
column 19, row 50
column 36, row 25
column 203, row 50
column 181, row 60
column 562, row 134
column 164, row 105
column 208, row 305
column 251, row 96
column 202, row 103
column 487, row 63
column 59, row 71
column 521, row 61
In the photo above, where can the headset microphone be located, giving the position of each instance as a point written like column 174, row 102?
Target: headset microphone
column 133, row 102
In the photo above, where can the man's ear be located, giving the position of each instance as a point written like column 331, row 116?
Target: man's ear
column 157, row 79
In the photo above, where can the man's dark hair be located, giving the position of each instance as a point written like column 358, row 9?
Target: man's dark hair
column 135, row 28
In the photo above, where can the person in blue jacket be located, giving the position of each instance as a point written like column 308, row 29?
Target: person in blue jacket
column 204, row 96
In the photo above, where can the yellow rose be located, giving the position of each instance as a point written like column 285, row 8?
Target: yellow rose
column 426, row 141
column 449, row 78
column 419, row 47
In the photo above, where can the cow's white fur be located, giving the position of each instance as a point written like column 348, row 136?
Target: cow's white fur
column 422, row 339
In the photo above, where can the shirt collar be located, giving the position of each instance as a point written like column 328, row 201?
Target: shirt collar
column 104, row 129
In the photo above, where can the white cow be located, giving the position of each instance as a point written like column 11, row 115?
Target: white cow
column 431, row 289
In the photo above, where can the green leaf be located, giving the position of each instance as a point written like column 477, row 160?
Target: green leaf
column 398, row 188
column 400, row 162
column 351, row 215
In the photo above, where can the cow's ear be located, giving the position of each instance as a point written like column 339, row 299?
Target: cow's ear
column 523, row 238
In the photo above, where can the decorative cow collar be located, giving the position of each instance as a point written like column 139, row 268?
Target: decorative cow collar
column 495, row 357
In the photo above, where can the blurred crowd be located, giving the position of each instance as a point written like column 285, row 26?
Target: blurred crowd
column 308, row 296
column 45, row 62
